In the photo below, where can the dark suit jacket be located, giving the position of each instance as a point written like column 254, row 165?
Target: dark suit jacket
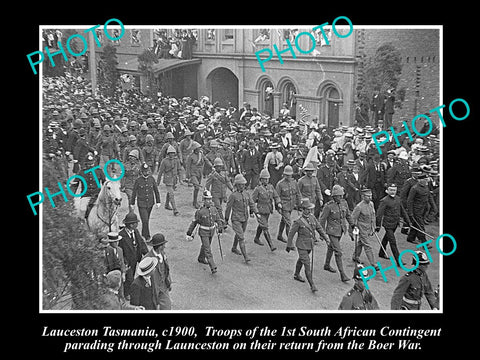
column 161, row 274
column 132, row 254
column 251, row 162
column 141, row 295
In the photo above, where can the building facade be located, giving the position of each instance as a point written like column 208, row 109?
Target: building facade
column 321, row 84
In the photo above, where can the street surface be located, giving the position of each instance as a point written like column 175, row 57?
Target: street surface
column 266, row 283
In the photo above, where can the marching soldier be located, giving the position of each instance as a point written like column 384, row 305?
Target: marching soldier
column 264, row 196
column 146, row 192
column 287, row 189
column 132, row 172
column 413, row 285
column 334, row 215
column 417, row 203
column 305, row 226
column 170, row 170
column 208, row 220
column 309, row 186
column 217, row 183
column 150, row 154
column 359, row 298
column 239, row 204
column 194, row 167
column 363, row 216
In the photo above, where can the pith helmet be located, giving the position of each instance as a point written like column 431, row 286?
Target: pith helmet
column 218, row 162
column 337, row 190
column 134, row 153
column 422, row 258
column 239, row 179
column 171, row 149
column 169, row 135
column 264, row 174
column 310, row 167
column 306, row 204
column 288, row 170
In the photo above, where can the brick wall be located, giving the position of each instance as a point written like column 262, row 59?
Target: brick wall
column 420, row 53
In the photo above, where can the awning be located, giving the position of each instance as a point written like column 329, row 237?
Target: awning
column 130, row 66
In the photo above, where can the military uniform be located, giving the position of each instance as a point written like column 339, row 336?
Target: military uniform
column 310, row 187
column 410, row 289
column 363, row 216
column 194, row 167
column 208, row 220
column 170, row 170
column 264, row 197
column 151, row 156
column 305, row 227
column 334, row 216
column 146, row 192
column 239, row 205
column 217, row 183
column 358, row 299
column 417, row 203
column 289, row 195
column 132, row 172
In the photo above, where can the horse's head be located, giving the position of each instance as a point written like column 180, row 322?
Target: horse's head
column 112, row 191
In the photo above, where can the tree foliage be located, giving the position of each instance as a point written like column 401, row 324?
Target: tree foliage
column 72, row 265
column 382, row 72
column 145, row 64
column 108, row 74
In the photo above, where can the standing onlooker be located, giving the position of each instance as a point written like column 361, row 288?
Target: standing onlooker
column 161, row 275
column 143, row 287
column 133, row 247
column 146, row 191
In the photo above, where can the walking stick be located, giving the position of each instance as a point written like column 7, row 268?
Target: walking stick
column 423, row 232
column 380, row 243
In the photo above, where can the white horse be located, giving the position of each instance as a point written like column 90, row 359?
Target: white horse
column 103, row 216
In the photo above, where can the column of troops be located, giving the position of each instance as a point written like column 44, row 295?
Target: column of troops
column 255, row 165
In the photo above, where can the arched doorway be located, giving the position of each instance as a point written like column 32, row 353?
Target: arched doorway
column 331, row 100
column 222, row 84
column 265, row 96
column 288, row 90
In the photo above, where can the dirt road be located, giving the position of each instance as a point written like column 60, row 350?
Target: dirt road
column 266, row 283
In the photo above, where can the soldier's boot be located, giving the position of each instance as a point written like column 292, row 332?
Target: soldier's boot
column 257, row 240
column 167, row 202
column 201, row 256
column 308, row 274
column 371, row 259
column 195, row 196
column 356, row 254
column 298, row 268
column 328, row 258
column 266, row 233
column 343, row 276
column 243, row 249
column 174, row 206
column 234, row 246
column 281, row 227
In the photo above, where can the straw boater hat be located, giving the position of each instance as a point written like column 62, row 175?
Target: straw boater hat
column 147, row 265
column 113, row 237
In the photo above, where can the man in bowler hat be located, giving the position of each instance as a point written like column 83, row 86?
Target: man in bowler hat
column 133, row 247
